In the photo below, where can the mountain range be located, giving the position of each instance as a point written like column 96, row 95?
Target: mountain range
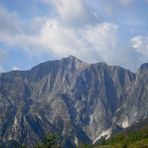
column 77, row 101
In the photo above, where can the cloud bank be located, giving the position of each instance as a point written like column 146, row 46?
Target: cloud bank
column 77, row 30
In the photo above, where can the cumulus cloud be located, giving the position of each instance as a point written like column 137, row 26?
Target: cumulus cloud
column 74, row 12
column 75, row 30
column 140, row 43
column 92, row 42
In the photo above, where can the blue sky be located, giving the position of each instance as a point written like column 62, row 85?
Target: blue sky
column 111, row 31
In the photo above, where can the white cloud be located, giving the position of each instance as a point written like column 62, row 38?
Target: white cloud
column 140, row 43
column 74, row 31
column 14, row 68
column 103, row 40
column 73, row 12
column 92, row 42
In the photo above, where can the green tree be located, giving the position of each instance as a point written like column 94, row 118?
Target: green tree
column 49, row 141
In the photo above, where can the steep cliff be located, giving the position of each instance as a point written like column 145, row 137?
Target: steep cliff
column 77, row 101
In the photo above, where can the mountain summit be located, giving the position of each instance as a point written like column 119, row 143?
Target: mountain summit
column 79, row 102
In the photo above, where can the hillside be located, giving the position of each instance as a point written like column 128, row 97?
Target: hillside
column 77, row 101
column 136, row 136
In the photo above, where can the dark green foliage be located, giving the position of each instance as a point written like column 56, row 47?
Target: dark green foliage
column 86, row 146
column 48, row 142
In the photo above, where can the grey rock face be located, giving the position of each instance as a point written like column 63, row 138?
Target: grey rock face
column 77, row 101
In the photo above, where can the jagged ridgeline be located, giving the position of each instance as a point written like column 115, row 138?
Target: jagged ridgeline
column 77, row 101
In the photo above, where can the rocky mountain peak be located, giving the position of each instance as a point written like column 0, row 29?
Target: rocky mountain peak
column 72, row 58
column 72, row 99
